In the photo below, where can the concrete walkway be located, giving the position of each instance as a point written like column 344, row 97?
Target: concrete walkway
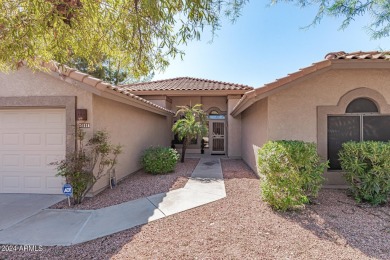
column 51, row 227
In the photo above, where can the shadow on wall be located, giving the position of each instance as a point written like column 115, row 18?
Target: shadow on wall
column 340, row 220
column 256, row 153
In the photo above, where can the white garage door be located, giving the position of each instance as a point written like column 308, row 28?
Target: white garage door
column 30, row 139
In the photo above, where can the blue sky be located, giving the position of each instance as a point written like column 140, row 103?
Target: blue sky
column 268, row 42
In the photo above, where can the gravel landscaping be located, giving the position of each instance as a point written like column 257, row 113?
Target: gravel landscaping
column 135, row 186
column 242, row 226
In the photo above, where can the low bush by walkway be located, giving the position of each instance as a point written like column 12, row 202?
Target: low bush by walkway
column 137, row 185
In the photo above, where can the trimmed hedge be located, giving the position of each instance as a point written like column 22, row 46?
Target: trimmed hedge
column 291, row 173
column 159, row 160
column 367, row 170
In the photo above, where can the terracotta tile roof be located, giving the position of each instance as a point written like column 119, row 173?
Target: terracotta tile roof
column 251, row 97
column 74, row 74
column 185, row 83
column 359, row 55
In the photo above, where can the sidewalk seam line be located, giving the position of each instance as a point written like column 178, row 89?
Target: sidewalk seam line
column 82, row 228
column 156, row 207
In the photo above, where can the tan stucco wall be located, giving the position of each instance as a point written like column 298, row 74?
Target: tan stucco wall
column 254, row 131
column 233, row 129
column 207, row 102
column 219, row 102
column 293, row 112
column 183, row 101
column 134, row 128
column 23, row 82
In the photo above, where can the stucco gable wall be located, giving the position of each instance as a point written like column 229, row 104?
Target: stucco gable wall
column 254, row 131
column 207, row 102
column 134, row 128
column 210, row 102
column 24, row 82
column 293, row 111
column 36, row 89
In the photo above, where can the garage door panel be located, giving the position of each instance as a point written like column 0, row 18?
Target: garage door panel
column 11, row 183
column 32, row 182
column 10, row 120
column 33, row 119
column 10, row 139
column 32, row 160
column 10, row 160
column 31, row 140
column 51, row 158
column 55, row 119
column 52, row 182
column 55, row 139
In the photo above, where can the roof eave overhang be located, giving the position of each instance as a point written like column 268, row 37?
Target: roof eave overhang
column 117, row 96
column 100, row 88
column 253, row 96
column 320, row 67
column 246, row 101
column 361, row 64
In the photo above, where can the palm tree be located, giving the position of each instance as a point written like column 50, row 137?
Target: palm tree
column 191, row 126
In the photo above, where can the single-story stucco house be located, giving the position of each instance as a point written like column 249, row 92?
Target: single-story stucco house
column 344, row 97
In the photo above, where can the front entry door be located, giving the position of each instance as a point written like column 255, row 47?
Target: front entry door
column 217, row 136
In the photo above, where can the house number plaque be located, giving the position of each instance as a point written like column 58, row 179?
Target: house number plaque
column 84, row 125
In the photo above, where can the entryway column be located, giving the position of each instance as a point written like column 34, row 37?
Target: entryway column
column 234, row 129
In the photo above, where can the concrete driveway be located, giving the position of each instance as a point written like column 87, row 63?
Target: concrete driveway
column 66, row 227
column 17, row 207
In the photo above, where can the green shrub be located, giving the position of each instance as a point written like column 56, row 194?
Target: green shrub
column 291, row 173
column 159, row 160
column 367, row 170
column 90, row 162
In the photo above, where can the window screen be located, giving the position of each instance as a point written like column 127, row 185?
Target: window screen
column 341, row 129
column 362, row 105
column 376, row 128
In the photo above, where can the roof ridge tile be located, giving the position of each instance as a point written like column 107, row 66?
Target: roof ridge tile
column 358, row 55
column 185, row 83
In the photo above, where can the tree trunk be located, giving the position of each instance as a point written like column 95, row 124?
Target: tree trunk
column 183, row 149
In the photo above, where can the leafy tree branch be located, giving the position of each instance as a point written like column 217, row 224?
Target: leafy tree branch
column 349, row 10
column 140, row 35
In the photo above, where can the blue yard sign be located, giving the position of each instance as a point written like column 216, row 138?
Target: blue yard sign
column 67, row 190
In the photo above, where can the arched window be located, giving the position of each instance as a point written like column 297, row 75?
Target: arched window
column 361, row 122
column 214, row 114
column 362, row 105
